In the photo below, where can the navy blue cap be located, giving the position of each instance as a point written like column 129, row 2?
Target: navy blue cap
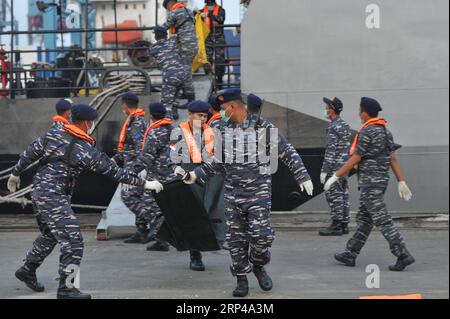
column 229, row 95
column 157, row 109
column 130, row 97
column 334, row 103
column 63, row 105
column 213, row 101
column 82, row 112
column 160, row 30
column 254, row 100
column 369, row 104
column 166, row 2
column 199, row 107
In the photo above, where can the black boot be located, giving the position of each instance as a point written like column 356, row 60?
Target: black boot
column 158, row 246
column 264, row 280
column 137, row 238
column 196, row 261
column 69, row 293
column 335, row 229
column 242, row 287
column 402, row 262
column 27, row 274
column 345, row 230
column 346, row 258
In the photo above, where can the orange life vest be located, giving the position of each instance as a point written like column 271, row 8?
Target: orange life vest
column 75, row 131
column 208, row 19
column 154, row 125
column 216, row 116
column 123, row 133
column 194, row 150
column 176, row 6
column 374, row 121
column 58, row 118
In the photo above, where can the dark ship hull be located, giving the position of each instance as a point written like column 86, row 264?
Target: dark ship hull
column 22, row 121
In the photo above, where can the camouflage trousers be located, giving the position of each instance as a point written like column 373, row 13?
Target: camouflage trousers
column 373, row 212
column 169, row 90
column 132, row 198
column 151, row 209
column 216, row 56
column 338, row 200
column 249, row 233
column 57, row 225
column 188, row 60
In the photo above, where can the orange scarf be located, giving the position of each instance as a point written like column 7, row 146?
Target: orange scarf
column 176, row 6
column 216, row 116
column 374, row 121
column 194, row 151
column 60, row 119
column 75, row 131
column 154, row 125
column 123, row 133
column 208, row 19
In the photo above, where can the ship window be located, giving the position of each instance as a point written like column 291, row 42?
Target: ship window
column 126, row 7
column 143, row 6
column 134, row 6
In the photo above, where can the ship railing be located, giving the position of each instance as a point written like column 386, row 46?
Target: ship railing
column 232, row 59
column 19, row 76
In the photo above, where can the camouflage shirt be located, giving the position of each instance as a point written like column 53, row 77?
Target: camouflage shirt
column 133, row 142
column 183, row 20
column 375, row 146
column 252, row 176
column 338, row 146
column 60, row 167
column 154, row 157
column 165, row 53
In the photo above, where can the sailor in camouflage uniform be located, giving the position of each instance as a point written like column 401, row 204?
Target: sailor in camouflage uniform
column 180, row 21
column 214, row 17
column 248, row 190
column 130, row 142
column 63, row 153
column 166, row 54
column 190, row 133
column 336, row 155
column 373, row 152
column 62, row 107
column 154, row 158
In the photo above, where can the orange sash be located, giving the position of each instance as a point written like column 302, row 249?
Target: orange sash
column 216, row 116
column 208, row 19
column 58, row 118
column 154, row 125
column 374, row 121
column 75, row 131
column 123, row 133
column 176, row 6
column 194, row 151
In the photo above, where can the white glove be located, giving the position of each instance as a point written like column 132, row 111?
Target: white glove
column 154, row 186
column 333, row 179
column 143, row 174
column 204, row 15
column 126, row 188
column 323, row 177
column 191, row 178
column 13, row 183
column 307, row 187
column 180, row 172
column 404, row 191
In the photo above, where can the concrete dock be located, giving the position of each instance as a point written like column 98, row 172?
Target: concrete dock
column 302, row 267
